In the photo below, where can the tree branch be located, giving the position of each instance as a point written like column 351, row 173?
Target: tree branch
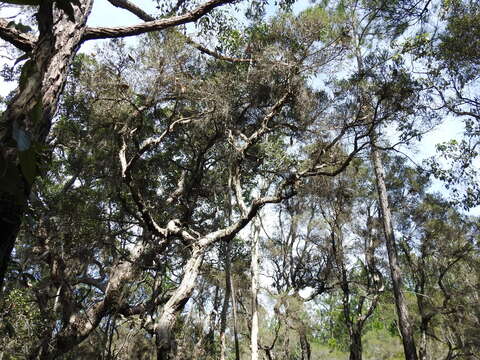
column 135, row 10
column 131, row 7
column 215, row 54
column 18, row 39
column 155, row 25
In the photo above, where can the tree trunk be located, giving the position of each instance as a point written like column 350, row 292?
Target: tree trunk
column 165, row 342
column 422, row 352
column 235, row 322
column 304, row 344
column 226, row 301
column 356, row 345
column 28, row 117
column 397, row 281
column 255, row 278
column 10, row 218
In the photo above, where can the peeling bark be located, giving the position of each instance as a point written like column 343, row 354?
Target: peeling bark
column 165, row 342
column 31, row 110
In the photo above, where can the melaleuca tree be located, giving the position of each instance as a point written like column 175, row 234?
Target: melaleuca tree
column 350, row 214
column 157, row 156
column 148, row 146
column 435, row 241
column 298, row 261
column 383, row 95
column 61, row 28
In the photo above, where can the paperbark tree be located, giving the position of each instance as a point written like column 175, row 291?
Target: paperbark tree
column 154, row 150
column 360, row 292
column 26, row 122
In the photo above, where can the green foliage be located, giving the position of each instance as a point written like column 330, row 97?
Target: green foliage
column 187, row 123
column 19, row 26
column 20, row 321
column 459, row 44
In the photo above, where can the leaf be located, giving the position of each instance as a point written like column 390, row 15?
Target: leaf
column 23, row 28
column 10, row 329
column 19, row 26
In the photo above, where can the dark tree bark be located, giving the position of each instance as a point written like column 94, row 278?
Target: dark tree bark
column 356, row 345
column 304, row 344
column 366, row 106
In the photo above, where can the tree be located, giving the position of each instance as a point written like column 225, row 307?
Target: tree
column 381, row 100
column 180, row 145
column 28, row 117
column 436, row 254
column 360, row 288
column 453, row 71
column 135, row 235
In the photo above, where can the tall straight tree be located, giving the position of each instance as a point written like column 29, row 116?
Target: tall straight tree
column 381, row 100
column 255, row 274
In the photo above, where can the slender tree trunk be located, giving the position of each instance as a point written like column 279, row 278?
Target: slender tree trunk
column 28, row 117
column 396, row 274
column 210, row 337
column 304, row 344
column 397, row 281
column 226, row 301
column 255, row 278
column 424, row 321
column 268, row 354
column 422, row 352
column 164, row 339
column 356, row 345
column 235, row 322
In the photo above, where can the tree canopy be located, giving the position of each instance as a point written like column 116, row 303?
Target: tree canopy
column 246, row 187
